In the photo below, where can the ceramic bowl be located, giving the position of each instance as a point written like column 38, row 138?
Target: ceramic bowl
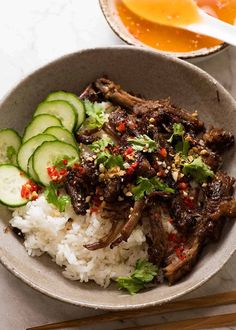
column 143, row 72
column 109, row 10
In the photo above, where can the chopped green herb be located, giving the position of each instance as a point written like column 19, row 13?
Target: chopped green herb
column 146, row 186
column 95, row 113
column 181, row 145
column 11, row 154
column 131, row 284
column 144, row 273
column 114, row 161
column 102, row 157
column 109, row 160
column 143, row 143
column 178, row 130
column 51, row 195
column 101, row 144
column 198, row 170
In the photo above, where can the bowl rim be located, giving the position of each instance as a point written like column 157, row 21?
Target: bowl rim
column 193, row 55
column 7, row 264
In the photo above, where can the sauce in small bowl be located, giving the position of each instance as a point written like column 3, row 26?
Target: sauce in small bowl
column 172, row 39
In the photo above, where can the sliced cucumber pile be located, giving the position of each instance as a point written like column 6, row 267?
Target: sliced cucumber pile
column 12, row 180
column 39, row 124
column 62, row 134
column 27, row 149
column 60, row 109
column 74, row 101
column 47, row 139
column 48, row 154
column 10, row 143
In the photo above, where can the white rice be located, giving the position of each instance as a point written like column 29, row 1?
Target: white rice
column 47, row 230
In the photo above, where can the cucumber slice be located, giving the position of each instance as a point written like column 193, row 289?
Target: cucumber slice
column 10, row 143
column 39, row 124
column 62, row 134
column 48, row 154
column 31, row 171
column 60, row 109
column 12, row 180
column 27, row 149
column 74, row 101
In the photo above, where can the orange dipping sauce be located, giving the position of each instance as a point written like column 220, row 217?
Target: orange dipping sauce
column 173, row 39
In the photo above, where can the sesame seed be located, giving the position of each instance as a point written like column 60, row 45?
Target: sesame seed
column 129, row 194
column 152, row 120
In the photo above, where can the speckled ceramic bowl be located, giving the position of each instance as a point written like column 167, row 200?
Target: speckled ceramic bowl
column 143, row 72
column 109, row 10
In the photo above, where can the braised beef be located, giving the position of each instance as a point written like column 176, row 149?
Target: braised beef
column 218, row 139
column 182, row 214
column 157, row 237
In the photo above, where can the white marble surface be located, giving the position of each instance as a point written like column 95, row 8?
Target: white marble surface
column 31, row 34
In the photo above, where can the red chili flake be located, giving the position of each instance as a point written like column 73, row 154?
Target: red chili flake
column 180, row 253
column 25, row 193
column 130, row 170
column 163, row 152
column 189, row 202
column 65, row 161
column 63, row 172
column 128, row 151
column 55, row 174
column 183, row 185
column 29, row 190
column 121, row 127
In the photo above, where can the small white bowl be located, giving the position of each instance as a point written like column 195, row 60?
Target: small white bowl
column 110, row 12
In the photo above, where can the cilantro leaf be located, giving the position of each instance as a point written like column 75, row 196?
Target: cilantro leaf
column 11, row 154
column 114, row 161
column 96, row 115
column 182, row 146
column 52, row 197
column 143, row 143
column 131, row 284
column 144, row 273
column 159, row 185
column 109, row 160
column 101, row 144
column 146, row 186
column 198, row 170
column 102, row 157
column 178, row 130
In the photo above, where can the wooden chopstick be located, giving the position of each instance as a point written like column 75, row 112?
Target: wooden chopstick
column 209, row 322
column 226, row 298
